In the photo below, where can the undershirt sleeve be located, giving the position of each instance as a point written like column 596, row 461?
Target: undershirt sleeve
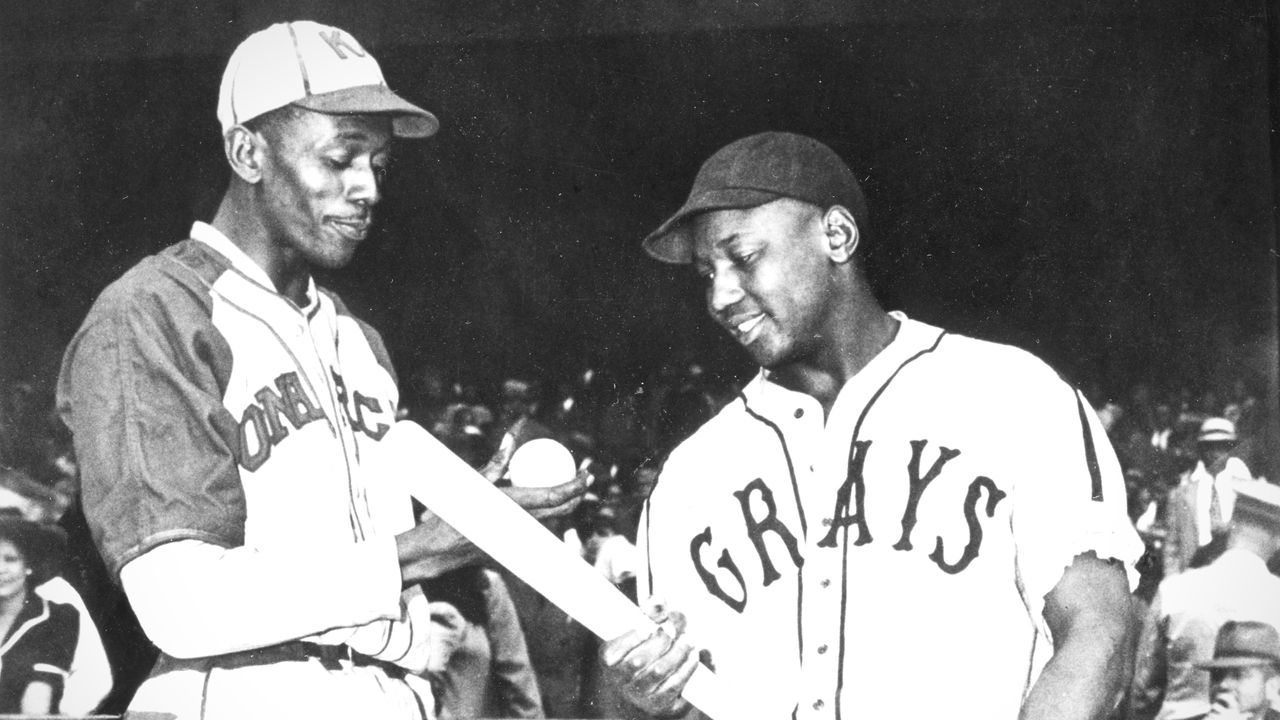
column 195, row 599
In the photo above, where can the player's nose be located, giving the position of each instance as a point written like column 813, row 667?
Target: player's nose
column 723, row 291
column 364, row 185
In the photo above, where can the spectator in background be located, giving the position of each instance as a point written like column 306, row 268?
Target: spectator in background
column 610, row 552
column 1202, row 503
column 683, row 407
column 1189, row 608
column 519, row 403
column 38, row 637
column 479, row 666
column 1251, row 447
column 560, row 649
column 1244, row 675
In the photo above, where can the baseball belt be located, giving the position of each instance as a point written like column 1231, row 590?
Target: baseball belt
column 330, row 656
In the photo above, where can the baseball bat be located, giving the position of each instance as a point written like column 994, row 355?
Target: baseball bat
column 509, row 534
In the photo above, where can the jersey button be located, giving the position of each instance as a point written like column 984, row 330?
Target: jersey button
column 825, row 583
column 822, row 649
column 818, row 704
column 826, row 522
column 799, row 413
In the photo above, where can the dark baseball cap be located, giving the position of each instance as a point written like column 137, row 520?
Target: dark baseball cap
column 753, row 171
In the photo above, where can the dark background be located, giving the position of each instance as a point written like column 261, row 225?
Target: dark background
column 1089, row 180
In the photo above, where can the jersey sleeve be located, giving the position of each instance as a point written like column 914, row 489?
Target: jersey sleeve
column 139, row 389
column 1069, row 498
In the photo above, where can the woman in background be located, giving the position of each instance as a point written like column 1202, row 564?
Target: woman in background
column 37, row 637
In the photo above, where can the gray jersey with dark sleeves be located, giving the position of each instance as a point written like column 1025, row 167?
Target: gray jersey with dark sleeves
column 206, row 406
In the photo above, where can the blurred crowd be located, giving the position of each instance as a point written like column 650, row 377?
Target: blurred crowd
column 1165, row 439
column 505, row 651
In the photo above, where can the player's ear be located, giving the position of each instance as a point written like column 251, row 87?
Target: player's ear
column 841, row 231
column 244, row 151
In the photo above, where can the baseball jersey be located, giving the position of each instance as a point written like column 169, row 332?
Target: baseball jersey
column 893, row 559
column 207, row 407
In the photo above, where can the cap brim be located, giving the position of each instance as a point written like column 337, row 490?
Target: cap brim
column 407, row 120
column 1217, row 438
column 671, row 242
column 1238, row 662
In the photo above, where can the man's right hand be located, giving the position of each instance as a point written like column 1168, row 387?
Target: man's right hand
column 651, row 670
column 434, row 547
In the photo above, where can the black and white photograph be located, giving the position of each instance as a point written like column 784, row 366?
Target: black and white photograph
column 643, row 360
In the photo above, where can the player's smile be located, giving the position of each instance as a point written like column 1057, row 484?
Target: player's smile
column 354, row 229
column 764, row 271
column 743, row 328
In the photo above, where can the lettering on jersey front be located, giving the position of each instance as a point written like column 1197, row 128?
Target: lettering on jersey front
column 994, row 496
column 918, row 484
column 757, row 527
column 701, row 540
column 855, row 487
column 260, row 424
column 849, row 510
column 354, row 409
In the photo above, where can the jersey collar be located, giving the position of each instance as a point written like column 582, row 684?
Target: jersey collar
column 767, row 396
column 220, row 243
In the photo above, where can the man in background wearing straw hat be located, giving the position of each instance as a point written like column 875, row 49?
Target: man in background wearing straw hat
column 1200, row 507
column 228, row 417
column 1189, row 608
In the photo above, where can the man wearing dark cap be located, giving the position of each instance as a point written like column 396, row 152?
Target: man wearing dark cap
column 229, row 415
column 1244, row 674
column 890, row 520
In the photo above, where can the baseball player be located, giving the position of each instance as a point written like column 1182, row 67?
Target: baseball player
column 890, row 520
column 228, row 415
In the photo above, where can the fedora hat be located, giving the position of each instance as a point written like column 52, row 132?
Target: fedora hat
column 1244, row 643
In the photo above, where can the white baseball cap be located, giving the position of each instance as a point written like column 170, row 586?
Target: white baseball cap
column 317, row 67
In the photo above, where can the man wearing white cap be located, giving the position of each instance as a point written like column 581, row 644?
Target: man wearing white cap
column 228, row 415
column 1188, row 610
column 1200, row 507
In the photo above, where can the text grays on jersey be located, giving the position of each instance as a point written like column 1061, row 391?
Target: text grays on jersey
column 849, row 509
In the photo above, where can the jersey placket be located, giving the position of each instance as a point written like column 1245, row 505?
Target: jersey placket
column 818, row 583
column 321, row 339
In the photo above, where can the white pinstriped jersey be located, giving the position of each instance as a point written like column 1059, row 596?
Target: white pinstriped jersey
column 892, row 560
